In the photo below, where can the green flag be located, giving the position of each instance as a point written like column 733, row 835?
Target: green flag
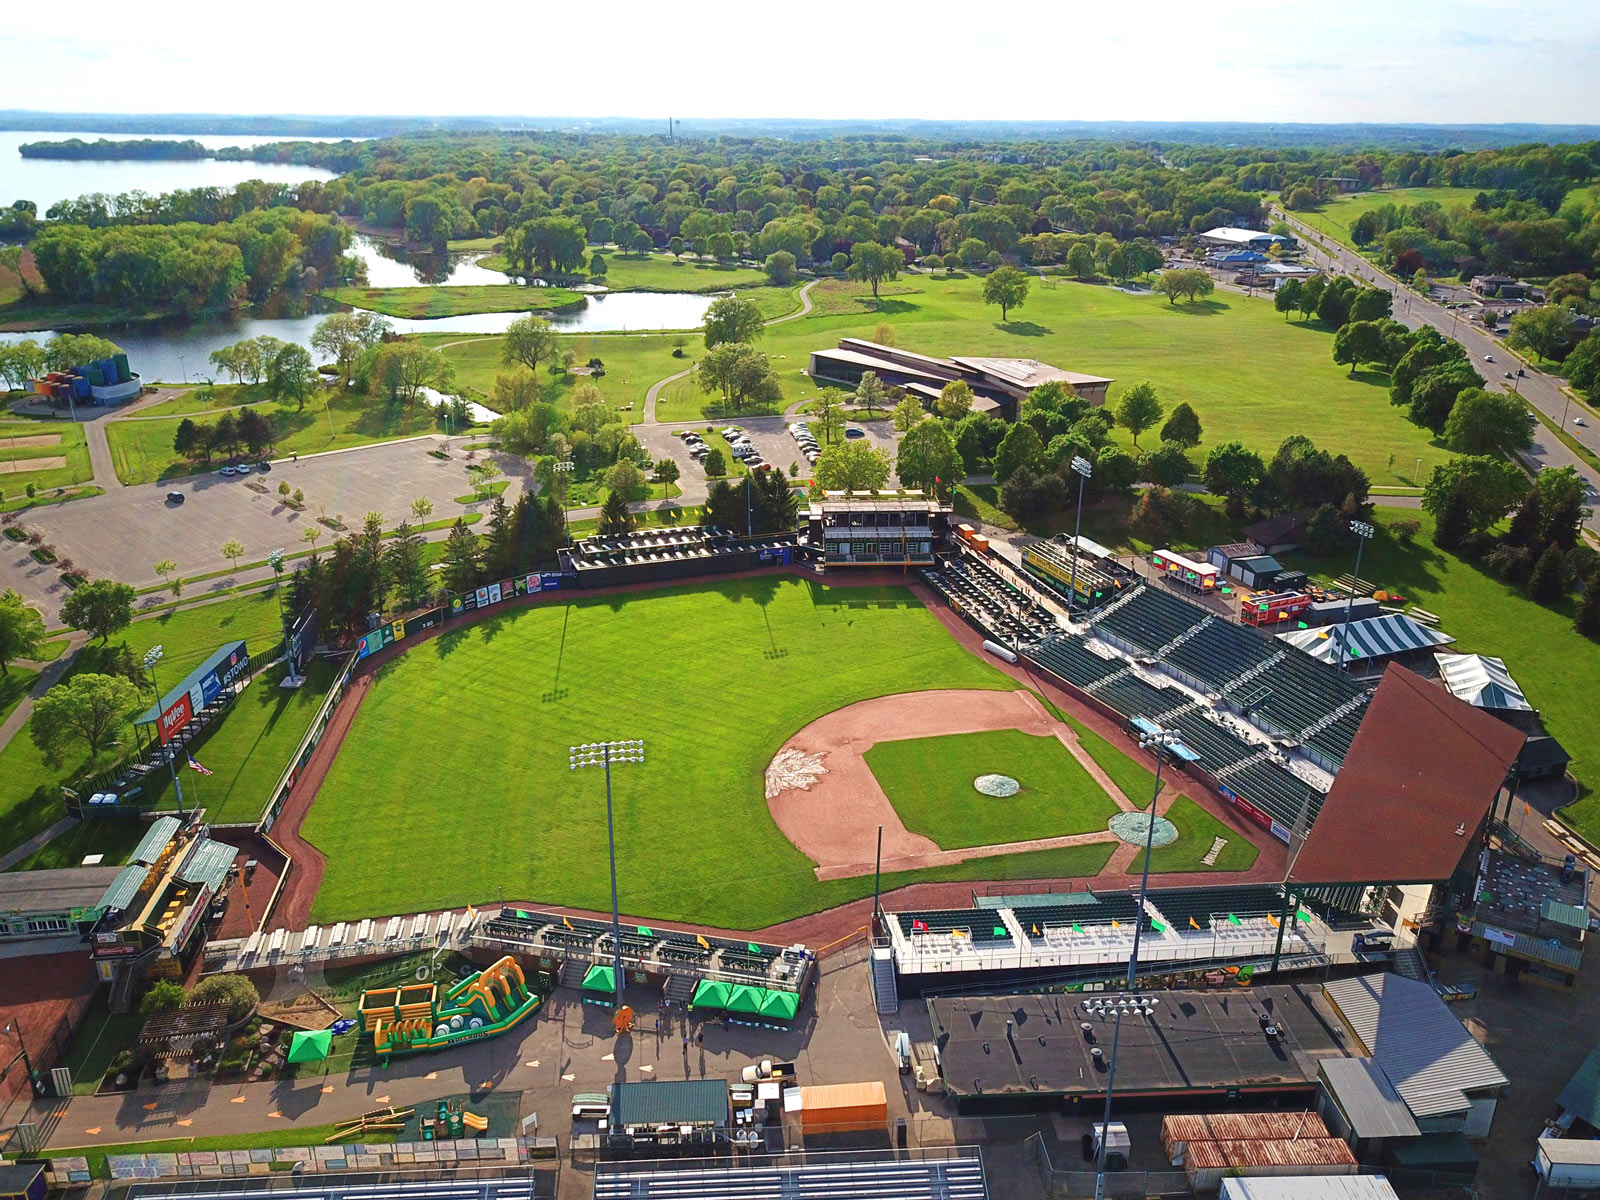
column 1302, row 914
column 644, row 931
column 754, row 949
column 999, row 931
column 1233, row 920
column 1076, row 928
column 1157, row 926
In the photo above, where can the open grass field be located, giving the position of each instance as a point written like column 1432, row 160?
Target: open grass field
column 1336, row 216
column 197, row 400
column 1544, row 654
column 23, row 441
column 1249, row 373
column 661, row 273
column 1196, row 830
column 469, row 732
column 929, row 782
column 632, row 363
column 439, row 300
column 142, row 450
column 30, row 797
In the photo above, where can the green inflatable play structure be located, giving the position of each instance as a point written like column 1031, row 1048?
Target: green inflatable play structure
column 417, row 1017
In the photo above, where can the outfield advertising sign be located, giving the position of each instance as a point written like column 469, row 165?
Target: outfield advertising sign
column 178, row 714
column 380, row 637
column 773, row 555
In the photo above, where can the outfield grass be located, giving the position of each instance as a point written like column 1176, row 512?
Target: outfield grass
column 1544, row 654
column 1197, row 829
column 1335, row 217
column 1248, row 373
column 66, row 441
column 469, row 732
column 1134, row 780
column 438, row 300
column 930, row 783
column 142, row 450
column 30, row 795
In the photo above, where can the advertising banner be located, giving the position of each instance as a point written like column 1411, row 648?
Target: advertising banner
column 238, row 662
column 1498, row 936
column 483, row 597
column 529, row 584
column 774, row 554
column 427, row 620
column 494, row 593
column 193, row 917
column 178, row 714
column 210, row 688
column 1279, row 832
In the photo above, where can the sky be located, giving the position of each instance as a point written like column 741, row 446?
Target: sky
column 1385, row 61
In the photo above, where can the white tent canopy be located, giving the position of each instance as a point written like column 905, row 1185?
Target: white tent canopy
column 1372, row 637
column 1481, row 681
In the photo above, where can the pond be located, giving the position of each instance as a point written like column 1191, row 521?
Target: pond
column 179, row 351
column 391, row 264
column 47, row 180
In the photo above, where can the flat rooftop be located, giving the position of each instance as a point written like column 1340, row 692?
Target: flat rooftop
column 52, row 890
column 1192, row 1042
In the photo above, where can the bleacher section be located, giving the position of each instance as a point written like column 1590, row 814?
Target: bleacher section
column 1117, row 908
column 1216, row 746
column 1277, row 792
column 1220, row 652
column 1069, row 658
column 972, row 924
column 1005, row 611
column 1296, row 693
column 1131, row 695
column 1148, row 620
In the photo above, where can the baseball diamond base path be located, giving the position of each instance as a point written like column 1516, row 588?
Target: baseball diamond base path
column 835, row 821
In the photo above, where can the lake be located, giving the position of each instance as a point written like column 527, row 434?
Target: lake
column 47, row 180
column 178, row 351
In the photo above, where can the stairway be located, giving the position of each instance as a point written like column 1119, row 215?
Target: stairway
column 1410, row 963
column 122, row 988
column 884, row 990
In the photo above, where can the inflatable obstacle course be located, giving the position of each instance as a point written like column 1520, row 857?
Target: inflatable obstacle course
column 418, row 1017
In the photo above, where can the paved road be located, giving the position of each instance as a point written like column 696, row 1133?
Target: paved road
column 1540, row 390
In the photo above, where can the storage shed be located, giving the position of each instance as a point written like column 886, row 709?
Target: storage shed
column 1258, row 571
column 1309, row 1187
column 1210, row 1162
column 1567, row 1163
column 844, row 1107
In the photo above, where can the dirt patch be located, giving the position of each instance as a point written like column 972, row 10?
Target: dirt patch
column 32, row 439
column 833, row 816
column 20, row 466
column 305, row 1010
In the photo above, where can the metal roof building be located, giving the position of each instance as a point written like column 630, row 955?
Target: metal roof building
column 1367, row 1101
column 1373, row 638
column 1308, row 1187
column 670, row 1102
column 1435, row 1065
column 1581, row 1096
column 955, row 1173
column 1481, row 681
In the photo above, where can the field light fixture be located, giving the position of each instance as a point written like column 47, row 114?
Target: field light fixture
column 1363, row 532
column 151, row 657
column 1082, row 466
column 603, row 754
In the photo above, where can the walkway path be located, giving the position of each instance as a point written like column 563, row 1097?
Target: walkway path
column 18, row 716
column 12, row 857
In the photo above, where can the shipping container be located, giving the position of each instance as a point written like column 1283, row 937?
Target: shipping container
column 844, row 1107
column 1180, row 1129
column 979, row 543
column 965, row 532
column 1209, row 1162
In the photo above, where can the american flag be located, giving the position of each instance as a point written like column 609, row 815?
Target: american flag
column 195, row 766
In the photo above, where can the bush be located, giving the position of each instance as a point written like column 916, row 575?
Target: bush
column 1512, row 563
column 1405, row 531
column 236, row 991
column 164, row 996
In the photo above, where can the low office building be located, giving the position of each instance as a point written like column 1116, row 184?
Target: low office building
column 1234, row 238
column 37, row 905
column 668, row 1116
column 863, row 529
column 999, row 385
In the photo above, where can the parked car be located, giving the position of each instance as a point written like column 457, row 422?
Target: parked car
column 1488, row 358
column 176, row 497
column 225, row 470
column 1579, row 421
column 263, row 466
column 851, row 431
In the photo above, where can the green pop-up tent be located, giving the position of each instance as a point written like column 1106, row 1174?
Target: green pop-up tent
column 780, row 1006
column 310, row 1047
column 600, row 979
column 745, row 999
column 710, row 993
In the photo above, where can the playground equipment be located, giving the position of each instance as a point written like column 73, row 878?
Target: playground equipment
column 378, row 1120
column 452, row 1120
column 417, row 1017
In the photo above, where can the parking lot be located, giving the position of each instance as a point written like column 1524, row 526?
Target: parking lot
column 769, row 435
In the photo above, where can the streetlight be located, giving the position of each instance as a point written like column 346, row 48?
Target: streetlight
column 151, row 657
column 27, row 1063
column 275, row 561
column 598, row 754
column 182, row 367
column 1151, row 737
column 1363, row 531
column 1084, row 469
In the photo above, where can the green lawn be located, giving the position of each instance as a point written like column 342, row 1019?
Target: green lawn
column 30, row 796
column 14, row 685
column 930, row 783
column 1196, row 830
column 439, row 300
column 1249, row 373
column 50, row 651
column 65, row 440
column 288, row 1135
column 1133, row 779
column 142, row 450
column 661, row 273
column 101, row 1035
column 1336, row 216
column 197, row 400
column 403, row 814
column 1551, row 662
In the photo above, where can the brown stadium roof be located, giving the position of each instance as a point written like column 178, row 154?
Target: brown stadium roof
column 1423, row 765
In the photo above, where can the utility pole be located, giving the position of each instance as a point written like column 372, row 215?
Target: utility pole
column 1082, row 467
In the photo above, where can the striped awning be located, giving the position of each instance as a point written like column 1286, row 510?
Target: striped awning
column 1372, row 637
column 1481, row 680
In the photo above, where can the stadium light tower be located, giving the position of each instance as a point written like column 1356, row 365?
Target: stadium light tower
column 1363, row 532
column 275, row 561
column 151, row 657
column 603, row 754
column 1082, row 466
column 1161, row 741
